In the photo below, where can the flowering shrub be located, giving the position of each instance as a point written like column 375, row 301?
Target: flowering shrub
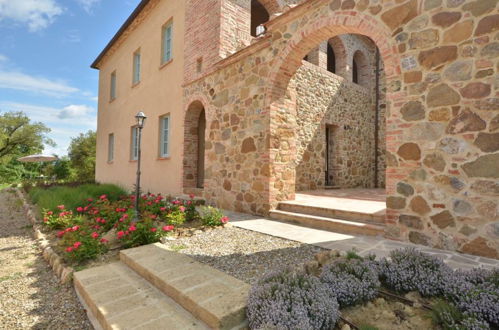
column 450, row 318
column 291, row 300
column 475, row 293
column 61, row 219
column 351, row 281
column 213, row 217
column 81, row 244
column 412, row 270
column 142, row 233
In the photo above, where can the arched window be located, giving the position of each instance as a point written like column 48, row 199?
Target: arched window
column 259, row 15
column 360, row 69
column 331, row 59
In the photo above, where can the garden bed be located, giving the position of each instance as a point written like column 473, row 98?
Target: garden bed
column 87, row 225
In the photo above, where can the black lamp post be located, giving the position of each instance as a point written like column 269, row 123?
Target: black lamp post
column 141, row 119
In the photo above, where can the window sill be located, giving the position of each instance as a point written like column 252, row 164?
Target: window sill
column 112, row 100
column 165, row 64
column 110, row 162
column 164, row 158
column 136, row 84
column 133, row 161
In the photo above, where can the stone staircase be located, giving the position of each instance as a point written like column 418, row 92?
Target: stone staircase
column 154, row 288
column 332, row 219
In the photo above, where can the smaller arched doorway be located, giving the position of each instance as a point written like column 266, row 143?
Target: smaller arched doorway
column 194, row 145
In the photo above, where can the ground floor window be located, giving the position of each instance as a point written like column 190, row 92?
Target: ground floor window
column 164, row 133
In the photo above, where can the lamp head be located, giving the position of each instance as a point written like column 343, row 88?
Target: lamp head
column 141, row 119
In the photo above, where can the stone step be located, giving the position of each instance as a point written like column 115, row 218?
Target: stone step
column 375, row 218
column 116, row 297
column 210, row 295
column 330, row 224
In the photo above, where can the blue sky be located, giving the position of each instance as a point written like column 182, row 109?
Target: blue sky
column 46, row 48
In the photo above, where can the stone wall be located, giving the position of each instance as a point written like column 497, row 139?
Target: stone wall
column 440, row 62
column 323, row 98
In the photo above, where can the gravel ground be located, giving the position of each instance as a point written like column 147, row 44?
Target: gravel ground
column 31, row 297
column 244, row 254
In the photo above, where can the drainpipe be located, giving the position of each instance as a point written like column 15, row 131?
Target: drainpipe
column 376, row 120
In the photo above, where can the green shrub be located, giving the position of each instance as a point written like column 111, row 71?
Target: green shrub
column 176, row 218
column 211, row 216
column 142, row 233
column 72, row 197
column 81, row 243
column 60, row 219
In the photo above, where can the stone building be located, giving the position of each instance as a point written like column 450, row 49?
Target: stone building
column 250, row 102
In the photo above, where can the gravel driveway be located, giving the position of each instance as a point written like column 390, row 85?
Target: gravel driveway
column 31, row 297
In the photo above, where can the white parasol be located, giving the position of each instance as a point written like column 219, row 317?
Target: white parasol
column 37, row 158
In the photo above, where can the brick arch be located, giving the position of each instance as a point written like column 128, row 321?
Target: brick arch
column 196, row 112
column 272, row 6
column 283, row 67
column 340, row 55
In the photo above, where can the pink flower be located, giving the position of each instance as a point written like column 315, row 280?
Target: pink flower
column 153, row 229
column 50, row 213
column 189, row 202
column 79, row 209
column 121, row 234
column 168, row 228
column 90, row 200
column 152, row 216
column 132, row 228
column 176, row 202
column 45, row 219
column 60, row 207
column 69, row 249
column 191, row 196
column 182, row 209
column 103, row 197
column 76, row 245
column 149, row 203
column 162, row 209
column 67, row 230
column 75, row 228
column 61, row 233
column 95, row 235
column 224, row 220
column 103, row 240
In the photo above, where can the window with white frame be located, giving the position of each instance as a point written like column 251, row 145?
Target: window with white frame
column 166, row 40
column 113, row 86
column 134, row 150
column 164, row 133
column 110, row 148
column 136, row 67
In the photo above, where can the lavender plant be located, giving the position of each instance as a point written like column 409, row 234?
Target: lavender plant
column 448, row 317
column 289, row 299
column 352, row 281
column 412, row 270
column 476, row 293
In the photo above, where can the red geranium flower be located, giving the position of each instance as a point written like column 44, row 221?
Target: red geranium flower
column 60, row 207
column 76, row 245
column 50, row 213
column 45, row 219
column 182, row 209
column 103, row 197
column 168, row 228
column 75, row 228
column 69, row 249
column 61, row 233
column 95, row 235
column 103, row 240
column 153, row 229
column 224, row 220
column 120, row 234
column 132, row 228
column 162, row 209
column 79, row 209
column 191, row 196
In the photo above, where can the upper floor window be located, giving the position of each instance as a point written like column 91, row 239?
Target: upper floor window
column 112, row 94
column 136, row 67
column 166, row 40
column 259, row 15
column 164, row 133
column 110, row 148
column 134, row 150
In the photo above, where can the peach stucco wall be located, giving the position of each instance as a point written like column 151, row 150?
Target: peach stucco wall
column 158, row 93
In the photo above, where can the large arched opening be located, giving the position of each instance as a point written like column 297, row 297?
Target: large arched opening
column 283, row 132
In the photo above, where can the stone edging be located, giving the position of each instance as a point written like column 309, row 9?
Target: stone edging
column 64, row 273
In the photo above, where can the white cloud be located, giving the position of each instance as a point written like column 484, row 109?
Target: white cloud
column 24, row 82
column 37, row 14
column 75, row 111
column 87, row 5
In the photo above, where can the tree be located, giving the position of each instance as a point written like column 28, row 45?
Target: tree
column 19, row 137
column 82, row 155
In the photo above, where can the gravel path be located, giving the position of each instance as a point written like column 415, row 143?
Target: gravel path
column 244, row 254
column 31, row 297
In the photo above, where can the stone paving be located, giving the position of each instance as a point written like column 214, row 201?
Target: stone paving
column 362, row 244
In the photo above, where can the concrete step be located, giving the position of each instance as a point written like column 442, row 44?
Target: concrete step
column 116, row 297
column 210, row 295
column 375, row 218
column 330, row 224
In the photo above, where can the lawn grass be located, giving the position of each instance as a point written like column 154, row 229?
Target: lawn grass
column 3, row 186
column 72, row 197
